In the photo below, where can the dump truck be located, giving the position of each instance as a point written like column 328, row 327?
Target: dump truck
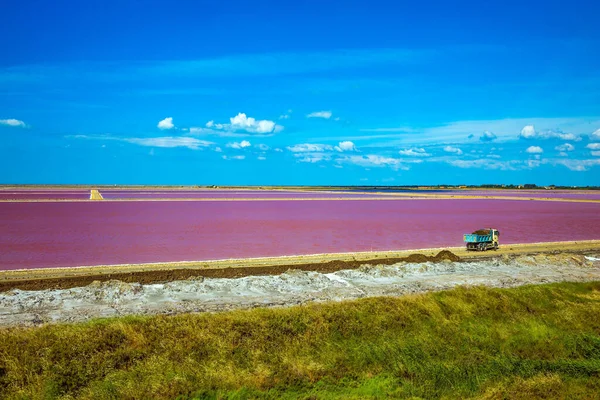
column 482, row 239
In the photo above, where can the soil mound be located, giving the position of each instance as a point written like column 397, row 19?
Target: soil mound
column 446, row 255
column 417, row 258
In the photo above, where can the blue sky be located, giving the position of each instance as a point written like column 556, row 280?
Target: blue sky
column 305, row 92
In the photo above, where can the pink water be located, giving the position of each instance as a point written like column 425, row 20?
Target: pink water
column 37, row 235
column 47, row 194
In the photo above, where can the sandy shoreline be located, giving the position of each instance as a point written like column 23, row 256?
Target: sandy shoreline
column 43, row 278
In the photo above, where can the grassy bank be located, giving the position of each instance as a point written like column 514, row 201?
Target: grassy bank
column 532, row 341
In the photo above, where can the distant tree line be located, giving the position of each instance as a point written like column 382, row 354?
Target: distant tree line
column 483, row 186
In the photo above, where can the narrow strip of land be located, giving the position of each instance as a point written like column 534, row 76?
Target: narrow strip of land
column 44, row 278
column 397, row 197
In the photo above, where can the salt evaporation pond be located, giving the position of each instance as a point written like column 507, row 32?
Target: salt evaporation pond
column 39, row 195
column 57, row 234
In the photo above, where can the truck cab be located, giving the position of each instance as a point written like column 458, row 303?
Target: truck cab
column 483, row 239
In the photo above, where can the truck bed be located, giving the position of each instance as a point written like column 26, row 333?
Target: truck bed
column 473, row 238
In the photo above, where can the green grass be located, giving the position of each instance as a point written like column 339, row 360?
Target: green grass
column 528, row 342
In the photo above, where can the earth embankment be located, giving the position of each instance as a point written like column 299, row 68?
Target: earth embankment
column 395, row 278
column 64, row 278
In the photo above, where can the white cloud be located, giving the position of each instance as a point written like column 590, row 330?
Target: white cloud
column 239, row 145
column 487, row 164
column 286, row 115
column 312, row 157
column 320, row 114
column 314, row 153
column 414, row 152
column 551, row 134
column 315, row 147
column 461, row 131
column 169, row 141
column 262, row 147
column 194, row 130
column 166, row 123
column 528, row 132
column 165, row 141
column 451, row 149
column 487, row 136
column 13, row 122
column 565, row 147
column 596, row 153
column 372, row 160
column 534, row 149
column 345, row 146
column 563, row 154
column 309, row 147
column 567, row 136
column 240, row 123
column 578, row 165
column 595, row 135
column 262, row 158
column 593, row 146
column 311, row 152
column 218, row 149
column 233, row 157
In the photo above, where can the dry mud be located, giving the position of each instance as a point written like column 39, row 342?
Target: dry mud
column 200, row 294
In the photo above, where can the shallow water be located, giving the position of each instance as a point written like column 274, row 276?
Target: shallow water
column 38, row 235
